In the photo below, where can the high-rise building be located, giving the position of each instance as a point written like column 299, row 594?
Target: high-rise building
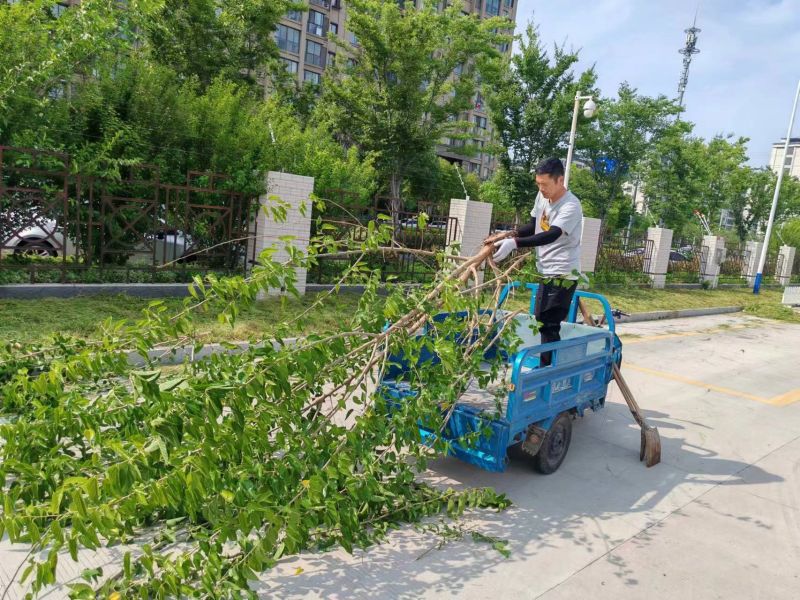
column 305, row 49
column 792, row 161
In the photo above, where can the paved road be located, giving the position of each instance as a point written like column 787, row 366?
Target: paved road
column 718, row 518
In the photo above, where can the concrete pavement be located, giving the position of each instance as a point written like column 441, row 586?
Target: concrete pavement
column 718, row 518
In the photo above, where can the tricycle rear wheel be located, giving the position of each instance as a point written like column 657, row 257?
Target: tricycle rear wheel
column 555, row 445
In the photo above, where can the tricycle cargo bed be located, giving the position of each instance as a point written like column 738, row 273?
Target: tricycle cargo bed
column 525, row 399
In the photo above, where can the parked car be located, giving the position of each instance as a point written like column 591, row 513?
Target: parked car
column 678, row 256
column 45, row 238
column 674, row 255
column 435, row 224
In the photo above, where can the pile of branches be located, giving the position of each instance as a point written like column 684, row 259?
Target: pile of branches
column 206, row 474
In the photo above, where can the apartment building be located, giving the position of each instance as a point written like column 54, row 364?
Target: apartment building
column 302, row 39
column 792, row 161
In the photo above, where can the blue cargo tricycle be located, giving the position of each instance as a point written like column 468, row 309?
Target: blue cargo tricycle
column 530, row 408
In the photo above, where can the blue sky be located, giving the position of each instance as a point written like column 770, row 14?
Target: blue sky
column 742, row 82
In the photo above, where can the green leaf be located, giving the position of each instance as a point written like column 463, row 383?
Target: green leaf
column 92, row 574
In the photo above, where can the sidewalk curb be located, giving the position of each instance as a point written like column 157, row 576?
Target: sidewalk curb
column 658, row 315
column 178, row 355
column 34, row 291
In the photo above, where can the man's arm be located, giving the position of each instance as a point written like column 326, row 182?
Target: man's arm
column 538, row 239
column 526, row 230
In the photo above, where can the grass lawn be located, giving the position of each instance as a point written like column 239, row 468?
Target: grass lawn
column 31, row 320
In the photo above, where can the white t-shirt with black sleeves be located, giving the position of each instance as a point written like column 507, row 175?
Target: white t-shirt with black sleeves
column 562, row 256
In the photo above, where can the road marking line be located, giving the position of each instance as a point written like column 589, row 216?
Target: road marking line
column 694, row 382
column 786, row 399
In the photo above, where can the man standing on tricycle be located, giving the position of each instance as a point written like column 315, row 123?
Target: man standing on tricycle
column 555, row 231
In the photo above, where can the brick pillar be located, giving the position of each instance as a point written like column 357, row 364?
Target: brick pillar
column 786, row 263
column 751, row 268
column 714, row 249
column 293, row 191
column 658, row 262
column 474, row 222
column 590, row 243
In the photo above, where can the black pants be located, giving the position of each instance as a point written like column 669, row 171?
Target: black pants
column 553, row 299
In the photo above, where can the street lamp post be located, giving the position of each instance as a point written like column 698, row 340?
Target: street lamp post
column 588, row 111
column 781, row 168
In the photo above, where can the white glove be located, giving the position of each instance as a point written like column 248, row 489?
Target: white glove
column 504, row 248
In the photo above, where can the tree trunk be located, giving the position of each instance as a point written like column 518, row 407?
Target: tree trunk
column 395, row 183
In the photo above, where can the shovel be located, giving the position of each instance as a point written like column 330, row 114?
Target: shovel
column 650, row 450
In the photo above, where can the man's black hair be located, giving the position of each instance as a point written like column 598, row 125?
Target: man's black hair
column 550, row 166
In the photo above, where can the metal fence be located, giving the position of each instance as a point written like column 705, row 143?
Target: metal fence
column 59, row 226
column 687, row 261
column 347, row 224
column 504, row 221
column 735, row 265
column 623, row 258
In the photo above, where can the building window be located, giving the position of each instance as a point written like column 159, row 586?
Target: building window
column 315, row 54
column 351, row 37
column 317, row 23
column 294, row 15
column 291, row 65
column 509, row 3
column 57, row 9
column 334, row 27
column 288, row 39
column 493, row 7
column 312, row 77
column 480, row 122
column 322, row 3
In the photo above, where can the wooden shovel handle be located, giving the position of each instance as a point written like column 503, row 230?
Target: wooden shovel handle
column 621, row 383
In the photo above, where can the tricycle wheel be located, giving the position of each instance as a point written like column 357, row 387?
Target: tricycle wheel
column 555, row 445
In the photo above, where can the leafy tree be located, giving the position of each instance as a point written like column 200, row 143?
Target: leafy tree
column 442, row 182
column 401, row 88
column 530, row 102
column 207, row 39
column 723, row 161
column 585, row 186
column 494, row 192
column 674, row 178
column 751, row 201
column 788, row 233
column 616, row 142
column 43, row 55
